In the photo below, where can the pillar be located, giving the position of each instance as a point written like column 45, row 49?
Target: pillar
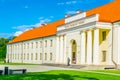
column 61, row 49
column 64, row 46
column 57, row 49
column 96, row 53
column 82, row 47
column 89, row 47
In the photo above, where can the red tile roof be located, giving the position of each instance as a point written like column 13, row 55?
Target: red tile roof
column 108, row 13
column 43, row 31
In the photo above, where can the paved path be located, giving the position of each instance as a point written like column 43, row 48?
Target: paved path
column 42, row 68
column 34, row 68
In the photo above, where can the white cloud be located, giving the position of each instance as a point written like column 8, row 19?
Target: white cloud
column 17, row 33
column 22, row 28
column 71, row 12
column 70, row 2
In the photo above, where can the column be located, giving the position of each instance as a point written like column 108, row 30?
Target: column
column 61, row 49
column 82, row 47
column 96, row 47
column 65, row 59
column 57, row 49
column 89, row 47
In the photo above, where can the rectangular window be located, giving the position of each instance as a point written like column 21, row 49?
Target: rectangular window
column 36, row 57
column 51, row 43
column 40, row 56
column 45, row 43
column 28, row 45
column 50, row 56
column 24, row 56
column 40, row 44
column 31, row 56
column 103, row 56
column 24, row 45
column 36, row 44
column 104, row 35
column 32, row 45
column 28, row 56
column 45, row 56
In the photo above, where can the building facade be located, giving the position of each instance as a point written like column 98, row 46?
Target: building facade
column 86, row 38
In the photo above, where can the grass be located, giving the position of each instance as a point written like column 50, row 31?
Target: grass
column 109, row 71
column 60, row 75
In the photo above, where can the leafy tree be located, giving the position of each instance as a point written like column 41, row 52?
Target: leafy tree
column 3, row 43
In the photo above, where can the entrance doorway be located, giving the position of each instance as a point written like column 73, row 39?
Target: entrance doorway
column 74, row 49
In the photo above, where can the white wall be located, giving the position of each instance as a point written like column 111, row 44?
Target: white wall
column 21, row 49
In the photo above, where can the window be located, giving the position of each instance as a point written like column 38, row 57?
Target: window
column 46, row 43
column 36, row 56
column 103, row 35
column 31, row 56
column 40, row 44
column 51, row 43
column 50, row 56
column 24, row 56
column 28, row 45
column 24, row 45
column 32, row 45
column 40, row 56
column 13, row 56
column 28, row 56
column 21, row 56
column 103, row 56
column 45, row 56
column 18, row 56
column 36, row 44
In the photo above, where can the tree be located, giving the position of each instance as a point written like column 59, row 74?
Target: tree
column 3, row 44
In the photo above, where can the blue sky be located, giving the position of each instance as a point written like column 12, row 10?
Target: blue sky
column 17, row 16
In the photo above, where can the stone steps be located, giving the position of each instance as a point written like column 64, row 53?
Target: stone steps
column 82, row 67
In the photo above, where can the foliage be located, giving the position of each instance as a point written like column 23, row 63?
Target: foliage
column 61, row 75
column 3, row 42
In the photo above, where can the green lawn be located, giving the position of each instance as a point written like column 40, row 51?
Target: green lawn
column 61, row 75
column 109, row 71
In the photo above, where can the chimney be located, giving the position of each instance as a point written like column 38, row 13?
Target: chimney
column 67, row 15
column 78, row 11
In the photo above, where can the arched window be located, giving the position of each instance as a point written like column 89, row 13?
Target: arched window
column 50, row 56
column 45, row 56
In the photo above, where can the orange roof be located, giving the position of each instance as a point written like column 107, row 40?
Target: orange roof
column 43, row 31
column 108, row 13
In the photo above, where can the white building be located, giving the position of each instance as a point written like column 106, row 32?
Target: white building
column 87, row 38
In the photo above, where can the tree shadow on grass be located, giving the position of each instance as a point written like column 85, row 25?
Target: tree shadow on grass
column 44, row 76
